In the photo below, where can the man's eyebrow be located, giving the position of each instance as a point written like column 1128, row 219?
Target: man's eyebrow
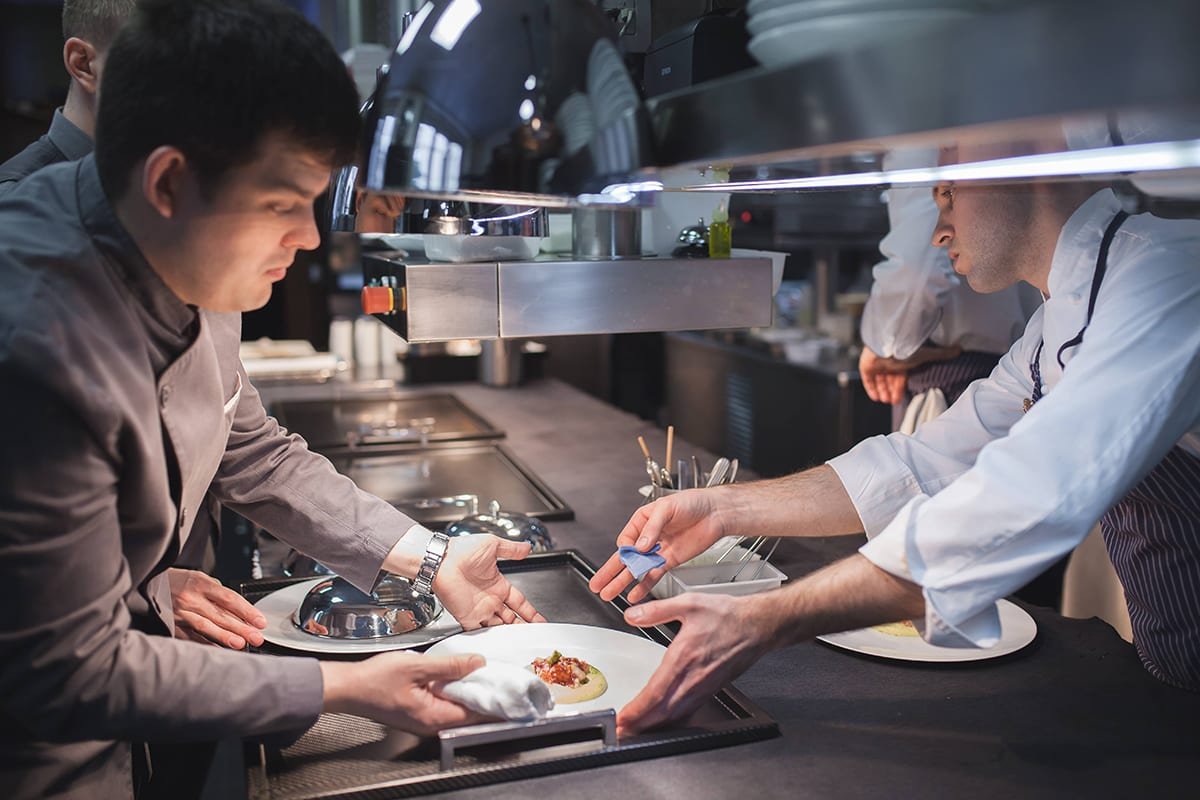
column 289, row 185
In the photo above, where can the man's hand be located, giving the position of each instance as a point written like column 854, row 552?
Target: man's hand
column 685, row 523
column 885, row 379
column 400, row 689
column 720, row 637
column 207, row 612
column 470, row 585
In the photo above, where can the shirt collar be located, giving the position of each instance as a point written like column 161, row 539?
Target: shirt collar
column 110, row 236
column 68, row 138
column 1079, row 243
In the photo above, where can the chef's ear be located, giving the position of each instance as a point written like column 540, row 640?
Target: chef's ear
column 82, row 63
column 165, row 173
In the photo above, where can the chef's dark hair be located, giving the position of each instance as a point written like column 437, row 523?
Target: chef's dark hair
column 213, row 78
column 95, row 21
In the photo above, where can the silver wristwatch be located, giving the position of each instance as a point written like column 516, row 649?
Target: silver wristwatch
column 435, row 551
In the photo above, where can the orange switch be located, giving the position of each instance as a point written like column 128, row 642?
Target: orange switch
column 378, row 300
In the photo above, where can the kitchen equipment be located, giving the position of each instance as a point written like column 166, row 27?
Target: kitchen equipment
column 357, row 756
column 509, row 525
column 500, row 362
column 522, row 102
column 606, row 233
column 335, row 609
column 280, row 599
column 692, row 242
column 385, row 422
column 430, row 485
column 700, row 50
column 719, row 579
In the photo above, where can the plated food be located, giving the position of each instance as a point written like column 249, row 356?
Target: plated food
column 904, row 627
column 571, row 680
column 623, row 662
column 1017, row 630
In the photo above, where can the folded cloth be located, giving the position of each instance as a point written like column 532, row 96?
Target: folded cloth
column 639, row 563
column 502, row 690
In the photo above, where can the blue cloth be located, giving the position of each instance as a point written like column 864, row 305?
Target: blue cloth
column 640, row 563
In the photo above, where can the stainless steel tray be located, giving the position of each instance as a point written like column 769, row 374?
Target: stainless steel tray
column 383, row 423
column 350, row 757
column 435, row 485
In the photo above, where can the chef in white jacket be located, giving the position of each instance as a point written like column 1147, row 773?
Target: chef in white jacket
column 926, row 333
column 1092, row 415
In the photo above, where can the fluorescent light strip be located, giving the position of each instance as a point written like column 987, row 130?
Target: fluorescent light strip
column 1156, row 157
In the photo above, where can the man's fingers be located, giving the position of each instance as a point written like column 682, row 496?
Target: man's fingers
column 205, row 627
column 513, row 550
column 617, row 585
column 235, row 604
column 656, row 612
column 443, row 668
column 519, row 605
column 607, row 573
column 643, row 589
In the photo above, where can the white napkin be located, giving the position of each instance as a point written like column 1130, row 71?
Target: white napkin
column 502, row 690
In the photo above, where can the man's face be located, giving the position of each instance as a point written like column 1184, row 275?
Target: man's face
column 240, row 239
column 984, row 229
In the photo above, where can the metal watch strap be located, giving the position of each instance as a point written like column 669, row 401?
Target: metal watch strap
column 435, row 551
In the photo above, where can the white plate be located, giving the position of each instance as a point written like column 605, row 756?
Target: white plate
column 278, row 607
column 1017, row 629
column 627, row 660
column 806, row 39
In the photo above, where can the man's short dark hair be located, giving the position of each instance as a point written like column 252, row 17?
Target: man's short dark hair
column 95, row 21
column 213, row 78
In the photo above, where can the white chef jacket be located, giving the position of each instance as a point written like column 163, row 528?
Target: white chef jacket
column 984, row 498
column 916, row 295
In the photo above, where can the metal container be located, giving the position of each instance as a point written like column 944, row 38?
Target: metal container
column 500, row 362
column 604, row 233
column 336, row 609
column 507, row 525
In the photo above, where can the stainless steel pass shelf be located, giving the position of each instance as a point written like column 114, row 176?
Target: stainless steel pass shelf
column 550, row 297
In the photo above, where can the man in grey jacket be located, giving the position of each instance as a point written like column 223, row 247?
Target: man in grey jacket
column 205, row 611
column 122, row 280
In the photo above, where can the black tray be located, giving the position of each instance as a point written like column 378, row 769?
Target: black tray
column 432, row 485
column 383, row 423
column 349, row 757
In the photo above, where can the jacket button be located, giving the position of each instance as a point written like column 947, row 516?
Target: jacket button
column 164, row 394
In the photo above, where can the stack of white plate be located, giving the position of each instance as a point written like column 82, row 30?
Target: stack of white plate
column 790, row 31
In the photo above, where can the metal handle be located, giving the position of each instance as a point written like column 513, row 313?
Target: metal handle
column 490, row 733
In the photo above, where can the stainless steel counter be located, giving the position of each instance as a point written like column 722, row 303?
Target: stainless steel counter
column 1072, row 715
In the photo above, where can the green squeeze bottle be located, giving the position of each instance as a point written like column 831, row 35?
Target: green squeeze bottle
column 720, row 233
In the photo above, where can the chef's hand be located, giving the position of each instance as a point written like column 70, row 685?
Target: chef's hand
column 685, row 524
column 400, row 689
column 209, row 613
column 720, row 637
column 470, row 585
column 885, row 379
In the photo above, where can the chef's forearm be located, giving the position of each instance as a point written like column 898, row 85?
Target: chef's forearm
column 849, row 594
column 809, row 503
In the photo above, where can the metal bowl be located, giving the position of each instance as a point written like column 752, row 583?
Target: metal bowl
column 335, row 609
column 507, row 525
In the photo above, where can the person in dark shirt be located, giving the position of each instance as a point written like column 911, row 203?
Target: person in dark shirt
column 88, row 29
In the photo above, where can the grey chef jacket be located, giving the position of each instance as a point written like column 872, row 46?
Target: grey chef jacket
column 119, row 406
column 63, row 142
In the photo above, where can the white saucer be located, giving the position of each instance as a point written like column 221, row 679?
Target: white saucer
column 1017, row 629
column 279, row 606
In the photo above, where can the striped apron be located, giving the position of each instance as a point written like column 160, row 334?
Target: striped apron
column 1153, row 538
column 952, row 376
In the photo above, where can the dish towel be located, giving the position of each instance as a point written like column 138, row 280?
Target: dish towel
column 639, row 563
column 502, row 690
